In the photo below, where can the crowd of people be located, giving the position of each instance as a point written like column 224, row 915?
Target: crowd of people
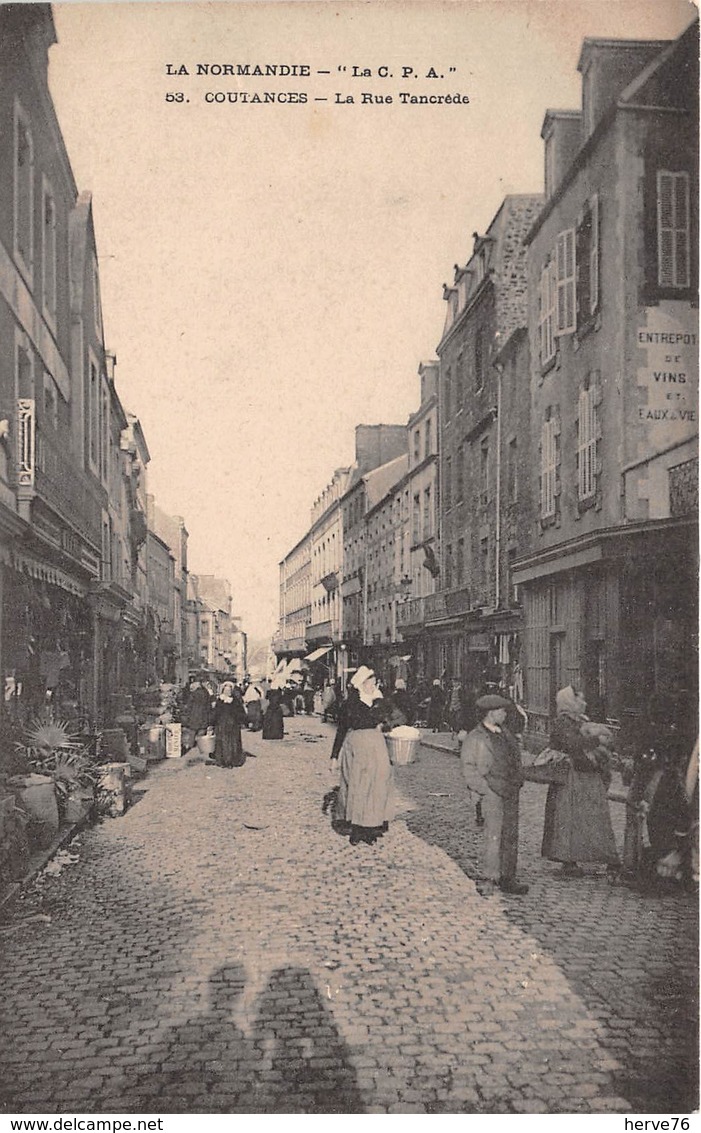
column 225, row 713
column 661, row 833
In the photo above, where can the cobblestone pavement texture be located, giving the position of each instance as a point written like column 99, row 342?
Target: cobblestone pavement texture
column 219, row 949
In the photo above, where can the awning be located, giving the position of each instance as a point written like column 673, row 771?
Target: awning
column 319, row 653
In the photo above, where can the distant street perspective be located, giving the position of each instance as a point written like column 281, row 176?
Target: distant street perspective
column 349, row 558
column 220, row 949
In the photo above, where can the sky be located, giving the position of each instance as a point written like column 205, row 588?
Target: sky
column 272, row 275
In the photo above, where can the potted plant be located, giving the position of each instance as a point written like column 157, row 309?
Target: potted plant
column 57, row 758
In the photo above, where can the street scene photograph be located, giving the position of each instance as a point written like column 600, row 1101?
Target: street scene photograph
column 349, row 562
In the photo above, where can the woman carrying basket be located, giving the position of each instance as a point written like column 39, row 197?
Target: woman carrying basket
column 364, row 795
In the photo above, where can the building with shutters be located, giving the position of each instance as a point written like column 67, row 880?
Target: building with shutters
column 473, row 632
column 609, row 580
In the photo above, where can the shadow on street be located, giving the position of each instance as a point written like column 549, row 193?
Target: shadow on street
column 631, row 959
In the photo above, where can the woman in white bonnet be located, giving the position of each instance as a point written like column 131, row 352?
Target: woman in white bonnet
column 364, row 796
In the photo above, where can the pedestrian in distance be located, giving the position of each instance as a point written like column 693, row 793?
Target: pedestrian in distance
column 273, row 722
column 364, row 796
column 253, row 698
column 199, row 709
column 577, row 817
column 436, row 707
column 491, row 764
column 403, row 701
column 229, row 717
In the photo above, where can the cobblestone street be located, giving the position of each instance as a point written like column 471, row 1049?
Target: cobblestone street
column 220, row 949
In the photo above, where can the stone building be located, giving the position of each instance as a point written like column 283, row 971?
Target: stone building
column 417, row 569
column 295, row 601
column 64, row 527
column 609, row 580
column 467, row 625
column 386, row 521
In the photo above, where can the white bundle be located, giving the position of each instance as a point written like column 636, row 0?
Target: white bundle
column 405, row 732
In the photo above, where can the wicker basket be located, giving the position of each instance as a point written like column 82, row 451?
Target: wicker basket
column 402, row 751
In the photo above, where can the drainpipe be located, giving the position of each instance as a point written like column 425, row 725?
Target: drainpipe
column 497, row 566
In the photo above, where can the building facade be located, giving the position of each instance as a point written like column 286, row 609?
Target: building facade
column 609, row 583
column 471, row 632
column 418, row 569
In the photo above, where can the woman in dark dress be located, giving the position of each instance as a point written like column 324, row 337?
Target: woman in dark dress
column 436, row 708
column 229, row 716
column 273, row 723
column 577, row 817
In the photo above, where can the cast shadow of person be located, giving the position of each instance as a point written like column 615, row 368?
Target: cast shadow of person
column 309, row 1063
column 291, row 1060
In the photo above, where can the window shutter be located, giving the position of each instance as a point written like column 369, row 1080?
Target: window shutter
column 673, row 251
column 547, row 304
column 566, row 294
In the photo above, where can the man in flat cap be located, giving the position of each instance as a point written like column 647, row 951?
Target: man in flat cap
column 491, row 764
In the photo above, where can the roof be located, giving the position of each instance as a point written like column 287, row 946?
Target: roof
column 381, row 480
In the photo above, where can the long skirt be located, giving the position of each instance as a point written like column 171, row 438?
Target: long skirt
column 578, row 821
column 254, row 713
column 273, row 724
column 228, row 748
column 365, row 790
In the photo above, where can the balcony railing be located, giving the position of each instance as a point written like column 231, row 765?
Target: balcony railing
column 45, row 469
column 411, row 613
column 435, row 606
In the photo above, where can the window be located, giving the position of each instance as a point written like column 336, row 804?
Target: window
column 586, row 445
column 546, row 322
column 673, row 251
column 484, row 565
column 459, row 383
column 93, row 407
column 588, row 261
column 548, row 466
column 565, row 281
column 104, row 433
column 24, row 191
column 428, row 444
column 449, row 566
column 459, row 476
column 97, row 306
column 448, row 486
column 107, row 548
column 428, row 515
column 479, row 358
column 512, row 471
column 417, row 445
column 447, row 392
column 460, row 563
column 50, row 401
column 484, row 470
column 48, row 254
column 416, row 520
